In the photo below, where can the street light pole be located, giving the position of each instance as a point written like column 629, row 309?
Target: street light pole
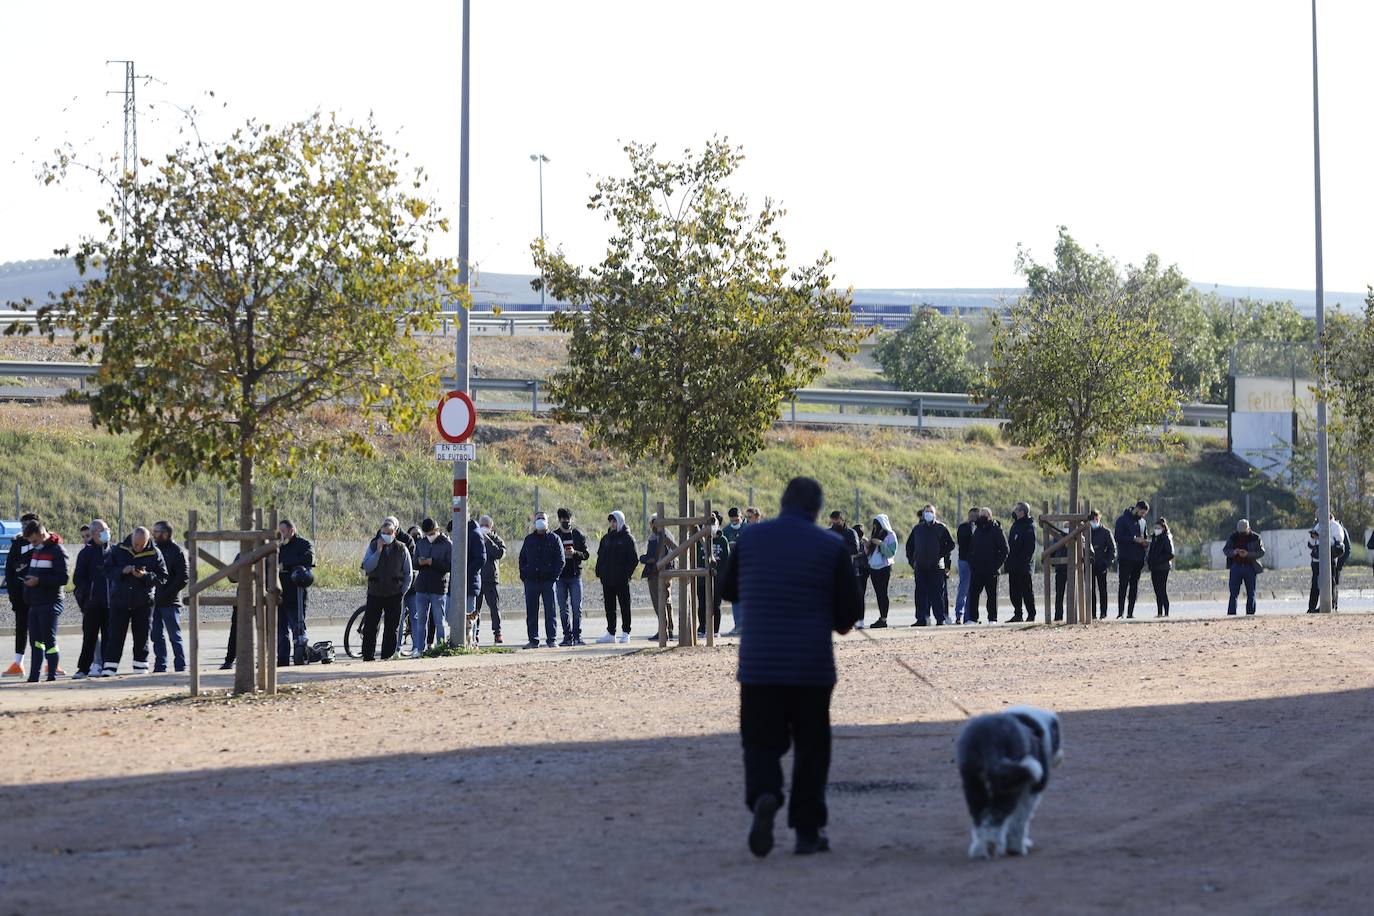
column 1323, row 466
column 540, row 158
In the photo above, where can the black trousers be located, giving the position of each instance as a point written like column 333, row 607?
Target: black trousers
column 1061, row 582
column 772, row 718
column 1022, row 591
column 141, row 621
column 491, row 595
column 1316, row 593
column 386, row 611
column 21, row 624
column 93, row 624
column 881, row 578
column 1127, row 586
column 1100, row 583
column 981, row 582
column 861, row 582
column 701, row 605
column 1159, row 578
column 617, row 592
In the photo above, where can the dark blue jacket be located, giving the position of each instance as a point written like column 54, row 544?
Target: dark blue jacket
column 47, row 564
column 477, row 559
column 1104, row 549
column 433, row 579
column 127, row 591
column 541, row 557
column 295, row 553
column 988, row 550
column 1128, row 552
column 89, row 584
column 1021, row 545
column 795, row 582
column 168, row 593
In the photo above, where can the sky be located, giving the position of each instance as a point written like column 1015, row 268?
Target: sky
column 918, row 142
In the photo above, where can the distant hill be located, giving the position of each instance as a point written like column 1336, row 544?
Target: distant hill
column 35, row 279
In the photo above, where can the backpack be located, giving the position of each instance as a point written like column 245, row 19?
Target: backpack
column 322, row 652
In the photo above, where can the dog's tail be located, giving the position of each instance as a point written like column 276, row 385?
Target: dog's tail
column 1012, row 773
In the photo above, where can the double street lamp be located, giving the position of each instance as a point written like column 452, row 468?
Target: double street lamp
column 540, row 158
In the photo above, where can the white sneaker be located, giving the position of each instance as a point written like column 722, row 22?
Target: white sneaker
column 79, row 676
column 859, row 625
column 416, row 653
column 623, row 637
column 605, row 638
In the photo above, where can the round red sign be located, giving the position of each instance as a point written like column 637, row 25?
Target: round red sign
column 455, row 417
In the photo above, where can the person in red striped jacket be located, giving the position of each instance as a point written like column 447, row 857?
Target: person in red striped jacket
column 47, row 572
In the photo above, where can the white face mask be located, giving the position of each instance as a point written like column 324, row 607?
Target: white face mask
column 104, row 537
column 484, row 531
column 928, row 516
column 388, row 538
column 432, row 535
column 1095, row 524
column 541, row 524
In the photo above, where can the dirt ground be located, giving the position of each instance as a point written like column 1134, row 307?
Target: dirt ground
column 1212, row 766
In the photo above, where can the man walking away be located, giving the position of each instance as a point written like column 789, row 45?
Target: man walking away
column 987, row 553
column 732, row 530
column 388, row 569
column 541, row 563
column 167, row 601
column 569, row 587
column 136, row 570
column 44, row 577
column 797, row 582
column 660, row 543
column 1103, row 547
column 15, row 563
column 91, row 589
column 1243, row 551
column 434, row 562
column 491, row 576
column 617, row 558
column 1131, row 545
column 1020, row 554
column 927, row 550
column 963, row 537
column 295, row 562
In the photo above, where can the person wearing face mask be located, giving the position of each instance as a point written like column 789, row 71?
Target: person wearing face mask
column 15, row 562
column 733, row 526
column 167, row 601
column 1243, row 551
column 541, row 563
column 135, row 570
column 568, row 589
column 388, row 568
column 1160, row 559
column 660, row 542
column 1020, row 555
column 294, row 553
column 928, row 548
column 433, row 563
column 617, row 558
column 490, row 592
column 1131, row 545
column 715, row 565
column 1103, row 547
column 987, row 553
column 1340, row 550
column 879, row 549
column 91, row 589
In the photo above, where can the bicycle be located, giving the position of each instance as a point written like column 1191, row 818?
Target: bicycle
column 353, row 635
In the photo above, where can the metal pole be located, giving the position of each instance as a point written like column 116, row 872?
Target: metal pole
column 121, row 512
column 644, row 508
column 536, row 499
column 459, row 635
column 17, row 511
column 856, row 505
column 1323, row 467
column 312, row 512
column 540, row 159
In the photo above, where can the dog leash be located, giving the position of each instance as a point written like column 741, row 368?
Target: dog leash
column 947, row 697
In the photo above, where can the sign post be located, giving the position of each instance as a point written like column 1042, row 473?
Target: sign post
column 457, row 590
column 456, row 418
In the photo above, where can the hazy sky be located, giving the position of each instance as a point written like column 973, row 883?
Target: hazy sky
column 918, row 141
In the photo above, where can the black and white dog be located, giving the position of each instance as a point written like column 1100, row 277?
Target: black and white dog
column 1005, row 761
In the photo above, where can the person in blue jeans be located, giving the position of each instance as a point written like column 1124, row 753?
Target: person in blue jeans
column 964, row 537
column 1243, row 551
column 569, row 585
column 167, row 601
column 541, row 564
column 433, row 562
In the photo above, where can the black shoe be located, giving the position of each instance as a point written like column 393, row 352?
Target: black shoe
column 1058, row 618
column 879, row 624
column 921, row 623
column 1017, row 618
column 1130, row 615
column 532, row 644
column 761, row 833
column 563, row 643
column 159, row 669
column 550, row 643
column 226, row 666
column 1030, row 618
column 808, row 843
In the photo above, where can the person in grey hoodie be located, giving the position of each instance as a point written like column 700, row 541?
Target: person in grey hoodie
column 388, row 568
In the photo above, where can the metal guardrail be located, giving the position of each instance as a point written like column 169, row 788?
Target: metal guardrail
column 915, row 403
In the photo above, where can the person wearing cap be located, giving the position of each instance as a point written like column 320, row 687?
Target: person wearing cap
column 731, row 531
column 541, row 565
column 617, row 558
column 433, row 563
column 568, row 589
column 1243, row 551
column 167, row 601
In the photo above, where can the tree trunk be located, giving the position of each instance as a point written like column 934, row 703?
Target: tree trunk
column 1073, row 487
column 685, row 631
column 243, row 652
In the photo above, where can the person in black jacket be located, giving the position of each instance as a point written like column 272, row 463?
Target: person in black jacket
column 541, row 563
column 853, row 540
column 15, row 562
column 1020, row 556
column 389, row 574
column 987, row 553
column 167, row 600
column 1340, row 551
column 1103, row 547
column 568, row 589
column 91, row 589
column 963, row 538
column 428, row 610
column 135, row 571
column 1243, row 552
column 1160, row 559
column 294, row 552
column 617, row 558
column 928, row 548
column 44, row 577
column 1131, row 544
column 490, row 592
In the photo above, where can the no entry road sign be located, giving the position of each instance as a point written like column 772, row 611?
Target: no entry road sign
column 456, row 416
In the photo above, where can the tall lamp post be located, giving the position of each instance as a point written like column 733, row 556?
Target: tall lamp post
column 540, row 158
column 1323, row 468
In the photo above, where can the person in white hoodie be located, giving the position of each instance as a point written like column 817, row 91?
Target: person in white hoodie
column 880, row 548
column 617, row 558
